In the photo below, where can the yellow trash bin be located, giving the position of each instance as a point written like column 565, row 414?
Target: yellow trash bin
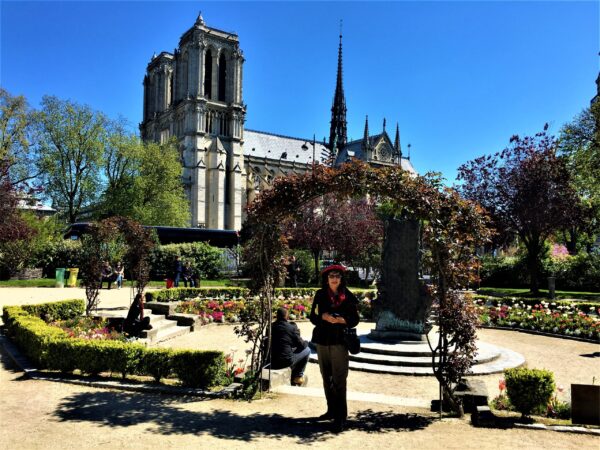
column 72, row 281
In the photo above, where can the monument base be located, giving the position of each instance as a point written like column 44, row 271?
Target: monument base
column 396, row 336
column 391, row 328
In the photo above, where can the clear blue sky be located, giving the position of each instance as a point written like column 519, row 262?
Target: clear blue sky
column 459, row 77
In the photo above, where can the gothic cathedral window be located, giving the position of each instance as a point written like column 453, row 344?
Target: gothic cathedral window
column 208, row 74
column 222, row 77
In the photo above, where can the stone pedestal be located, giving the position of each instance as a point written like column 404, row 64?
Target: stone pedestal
column 403, row 305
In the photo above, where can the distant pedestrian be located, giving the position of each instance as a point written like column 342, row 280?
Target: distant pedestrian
column 188, row 274
column 119, row 274
column 177, row 270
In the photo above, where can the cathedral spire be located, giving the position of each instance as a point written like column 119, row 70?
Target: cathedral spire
column 397, row 149
column 365, row 142
column 337, row 131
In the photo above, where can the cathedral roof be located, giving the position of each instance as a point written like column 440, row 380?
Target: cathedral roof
column 354, row 149
column 274, row 146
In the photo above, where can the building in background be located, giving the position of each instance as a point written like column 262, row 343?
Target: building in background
column 195, row 95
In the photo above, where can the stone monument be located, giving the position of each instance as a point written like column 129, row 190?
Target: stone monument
column 402, row 305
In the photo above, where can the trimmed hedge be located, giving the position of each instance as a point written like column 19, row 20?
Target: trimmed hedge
column 207, row 260
column 580, row 272
column 194, row 367
column 50, row 348
column 529, row 390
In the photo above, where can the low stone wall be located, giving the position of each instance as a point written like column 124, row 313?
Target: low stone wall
column 28, row 274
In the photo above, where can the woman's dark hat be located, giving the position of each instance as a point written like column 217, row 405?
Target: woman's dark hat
column 337, row 267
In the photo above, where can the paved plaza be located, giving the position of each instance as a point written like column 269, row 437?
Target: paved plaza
column 386, row 411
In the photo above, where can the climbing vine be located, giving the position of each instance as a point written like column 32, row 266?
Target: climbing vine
column 452, row 228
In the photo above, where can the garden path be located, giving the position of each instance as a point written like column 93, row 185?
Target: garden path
column 58, row 415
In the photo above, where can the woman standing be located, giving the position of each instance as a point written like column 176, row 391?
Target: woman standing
column 334, row 309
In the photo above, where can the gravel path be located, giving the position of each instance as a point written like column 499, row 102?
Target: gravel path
column 42, row 414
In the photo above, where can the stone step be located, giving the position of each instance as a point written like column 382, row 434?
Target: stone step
column 492, row 359
column 414, row 361
column 162, row 329
column 158, row 320
column 164, row 334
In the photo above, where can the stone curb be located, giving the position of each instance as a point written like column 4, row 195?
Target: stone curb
column 541, row 333
column 559, row 428
column 32, row 372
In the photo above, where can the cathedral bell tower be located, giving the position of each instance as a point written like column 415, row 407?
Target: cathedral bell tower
column 195, row 95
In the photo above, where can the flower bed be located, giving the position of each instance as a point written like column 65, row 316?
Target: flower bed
column 560, row 318
column 224, row 309
column 88, row 328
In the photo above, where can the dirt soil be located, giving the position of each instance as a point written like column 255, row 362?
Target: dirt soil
column 43, row 414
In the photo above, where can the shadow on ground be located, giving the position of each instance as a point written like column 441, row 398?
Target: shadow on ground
column 117, row 409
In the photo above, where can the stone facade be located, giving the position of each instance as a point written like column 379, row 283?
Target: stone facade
column 195, row 95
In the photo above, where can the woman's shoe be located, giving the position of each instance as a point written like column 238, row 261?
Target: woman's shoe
column 327, row 416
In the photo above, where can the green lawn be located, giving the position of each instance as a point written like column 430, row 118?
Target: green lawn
column 525, row 293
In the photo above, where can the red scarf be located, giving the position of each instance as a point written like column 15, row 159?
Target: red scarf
column 336, row 299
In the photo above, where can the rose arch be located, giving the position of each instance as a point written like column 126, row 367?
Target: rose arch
column 452, row 228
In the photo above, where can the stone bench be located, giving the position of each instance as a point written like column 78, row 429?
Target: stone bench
column 279, row 377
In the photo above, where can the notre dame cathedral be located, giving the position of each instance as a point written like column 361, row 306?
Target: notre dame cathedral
column 195, row 94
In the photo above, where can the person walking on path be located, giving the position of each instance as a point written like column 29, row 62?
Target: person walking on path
column 334, row 309
column 289, row 349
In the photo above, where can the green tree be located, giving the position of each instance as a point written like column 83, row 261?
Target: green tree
column 121, row 156
column 144, row 182
column 72, row 140
column 579, row 142
column 16, row 136
column 160, row 198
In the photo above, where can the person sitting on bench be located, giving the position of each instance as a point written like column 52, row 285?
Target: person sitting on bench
column 289, row 349
column 135, row 322
column 107, row 274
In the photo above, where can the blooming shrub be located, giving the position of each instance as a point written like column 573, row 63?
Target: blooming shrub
column 560, row 318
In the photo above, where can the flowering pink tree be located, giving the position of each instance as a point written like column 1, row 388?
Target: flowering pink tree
column 527, row 190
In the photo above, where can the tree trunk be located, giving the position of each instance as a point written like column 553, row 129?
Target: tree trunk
column 571, row 240
column 533, row 266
